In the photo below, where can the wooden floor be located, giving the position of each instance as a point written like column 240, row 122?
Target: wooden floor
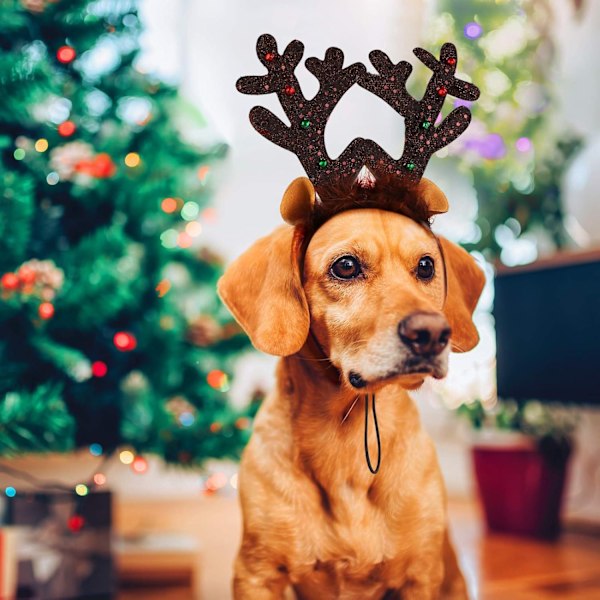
column 496, row 567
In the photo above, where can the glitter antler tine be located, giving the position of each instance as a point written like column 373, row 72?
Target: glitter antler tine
column 305, row 136
column 422, row 137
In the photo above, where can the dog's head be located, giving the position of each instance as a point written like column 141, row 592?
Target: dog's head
column 383, row 296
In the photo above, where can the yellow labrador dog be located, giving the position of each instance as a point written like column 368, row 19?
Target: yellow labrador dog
column 366, row 301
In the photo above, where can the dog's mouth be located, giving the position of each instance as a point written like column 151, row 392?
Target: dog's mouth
column 412, row 369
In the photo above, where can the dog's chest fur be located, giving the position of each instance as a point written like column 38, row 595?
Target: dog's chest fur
column 348, row 545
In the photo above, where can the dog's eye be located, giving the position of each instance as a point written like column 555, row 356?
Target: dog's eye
column 425, row 268
column 346, row 267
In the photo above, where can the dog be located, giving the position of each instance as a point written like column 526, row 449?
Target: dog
column 370, row 302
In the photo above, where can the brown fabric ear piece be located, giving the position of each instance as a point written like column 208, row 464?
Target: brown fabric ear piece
column 298, row 201
column 465, row 281
column 263, row 290
column 433, row 197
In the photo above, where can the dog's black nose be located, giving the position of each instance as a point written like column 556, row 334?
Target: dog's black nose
column 426, row 334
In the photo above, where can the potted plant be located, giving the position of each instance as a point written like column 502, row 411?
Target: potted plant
column 520, row 457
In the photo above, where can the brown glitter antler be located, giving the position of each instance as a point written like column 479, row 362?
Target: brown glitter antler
column 305, row 136
column 422, row 137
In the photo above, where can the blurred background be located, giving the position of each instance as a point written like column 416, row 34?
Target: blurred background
column 129, row 177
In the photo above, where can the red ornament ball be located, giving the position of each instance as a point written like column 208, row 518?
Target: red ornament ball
column 451, row 61
column 269, row 56
column 125, row 341
column 75, row 523
column 442, row 91
column 67, row 128
column 10, row 281
column 66, row 54
column 26, row 275
column 289, row 90
column 46, row 310
column 99, row 368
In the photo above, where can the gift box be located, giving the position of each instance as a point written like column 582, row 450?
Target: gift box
column 63, row 545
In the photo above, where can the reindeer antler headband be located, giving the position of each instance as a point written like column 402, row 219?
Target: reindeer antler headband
column 305, row 136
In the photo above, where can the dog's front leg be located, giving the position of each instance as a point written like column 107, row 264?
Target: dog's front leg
column 258, row 579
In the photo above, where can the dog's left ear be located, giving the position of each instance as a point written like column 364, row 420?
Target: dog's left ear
column 465, row 284
column 263, row 290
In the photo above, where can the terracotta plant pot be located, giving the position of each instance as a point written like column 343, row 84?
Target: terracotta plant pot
column 521, row 483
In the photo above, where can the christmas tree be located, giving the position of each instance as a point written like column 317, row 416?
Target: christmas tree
column 112, row 333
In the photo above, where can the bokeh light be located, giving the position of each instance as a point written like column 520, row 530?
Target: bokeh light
column 169, row 205
column 124, row 341
column 523, row 144
column 99, row 478
column 81, row 489
column 472, row 30
column 95, row 449
column 193, row 229
column 132, row 159
column 168, row 238
column 139, row 465
column 67, row 128
column 10, row 491
column 41, row 145
column 66, row 54
column 126, row 457
column 52, row 178
column 99, row 368
column 190, row 211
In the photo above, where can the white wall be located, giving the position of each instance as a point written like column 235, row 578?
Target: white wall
column 216, row 43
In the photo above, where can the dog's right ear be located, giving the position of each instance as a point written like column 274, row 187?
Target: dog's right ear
column 263, row 290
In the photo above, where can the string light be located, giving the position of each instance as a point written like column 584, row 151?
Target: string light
column 95, row 449
column 10, row 491
column 216, row 481
column 99, row 369
column 218, row 380
column 243, row 423
column 169, row 205
column 186, row 418
column 169, row 238
column 67, row 128
column 132, row 159
column 126, row 457
column 66, row 54
column 215, row 427
column 163, row 288
column 19, row 154
column 124, row 341
column 139, row 465
column 184, row 240
column 81, row 489
column 75, row 523
column 190, row 211
column 52, row 178
column 193, row 229
column 41, row 145
column 46, row 310
column 99, row 479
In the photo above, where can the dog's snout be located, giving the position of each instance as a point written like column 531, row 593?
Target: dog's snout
column 426, row 334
